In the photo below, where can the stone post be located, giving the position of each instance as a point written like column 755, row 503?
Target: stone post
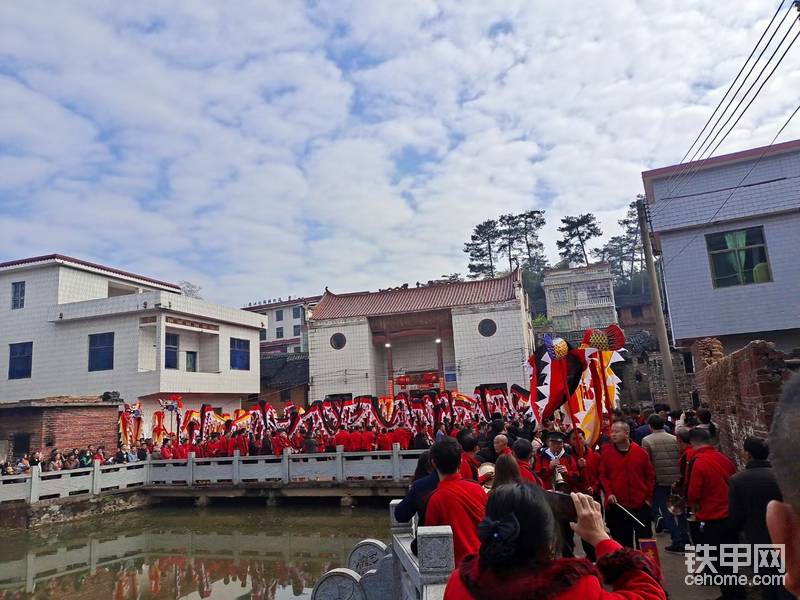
column 96, row 474
column 148, row 474
column 36, row 482
column 190, row 469
column 235, row 465
column 435, row 554
column 396, row 526
column 285, row 475
column 339, row 463
column 396, row 475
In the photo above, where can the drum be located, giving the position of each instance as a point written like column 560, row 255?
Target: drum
column 486, row 469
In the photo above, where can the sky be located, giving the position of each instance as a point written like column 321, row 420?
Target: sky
column 266, row 149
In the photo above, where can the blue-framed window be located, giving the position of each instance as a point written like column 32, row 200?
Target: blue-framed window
column 171, row 341
column 20, row 359
column 17, row 295
column 297, row 312
column 101, row 351
column 240, row 354
column 279, row 314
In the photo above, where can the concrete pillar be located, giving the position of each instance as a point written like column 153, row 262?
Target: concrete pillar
column 161, row 330
column 190, row 468
column 236, row 464
column 36, row 482
column 339, row 463
column 396, row 462
column 96, row 474
column 285, row 475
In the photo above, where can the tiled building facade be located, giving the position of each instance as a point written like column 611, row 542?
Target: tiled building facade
column 72, row 328
column 579, row 298
column 461, row 334
column 727, row 234
column 286, row 326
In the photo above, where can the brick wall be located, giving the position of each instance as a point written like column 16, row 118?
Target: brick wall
column 741, row 389
column 685, row 382
column 63, row 427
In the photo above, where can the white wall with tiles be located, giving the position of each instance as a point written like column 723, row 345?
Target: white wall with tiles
column 350, row 369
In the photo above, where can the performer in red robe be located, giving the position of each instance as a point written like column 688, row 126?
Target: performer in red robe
column 342, row 438
column 385, row 441
column 297, row 440
column 279, row 442
column 242, row 443
column 456, row 502
column 556, row 456
column 402, row 435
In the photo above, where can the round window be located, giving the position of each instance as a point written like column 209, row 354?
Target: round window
column 487, row 328
column 338, row 341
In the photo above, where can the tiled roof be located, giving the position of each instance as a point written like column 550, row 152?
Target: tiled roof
column 83, row 263
column 416, row 299
column 626, row 300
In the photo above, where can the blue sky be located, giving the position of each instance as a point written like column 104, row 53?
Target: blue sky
column 262, row 149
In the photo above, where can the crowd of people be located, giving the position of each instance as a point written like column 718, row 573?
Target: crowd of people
column 661, row 470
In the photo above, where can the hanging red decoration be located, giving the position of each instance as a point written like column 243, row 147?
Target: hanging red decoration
column 403, row 380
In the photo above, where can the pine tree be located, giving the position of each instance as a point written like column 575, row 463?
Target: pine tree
column 577, row 232
column 531, row 222
column 482, row 249
column 510, row 242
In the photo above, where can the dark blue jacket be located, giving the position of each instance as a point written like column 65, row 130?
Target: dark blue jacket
column 416, row 499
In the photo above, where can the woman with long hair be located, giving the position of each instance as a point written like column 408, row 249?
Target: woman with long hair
column 518, row 560
column 506, row 470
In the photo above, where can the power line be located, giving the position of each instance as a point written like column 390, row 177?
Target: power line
column 690, row 169
column 741, row 70
column 733, row 191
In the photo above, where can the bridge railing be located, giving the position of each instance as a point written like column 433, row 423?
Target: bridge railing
column 376, row 571
column 338, row 467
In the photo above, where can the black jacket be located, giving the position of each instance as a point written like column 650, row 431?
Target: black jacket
column 749, row 492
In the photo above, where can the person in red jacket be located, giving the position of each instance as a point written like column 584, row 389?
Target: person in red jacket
column 455, row 502
column 280, row 442
column 402, row 435
column 555, row 457
column 707, row 491
column 182, row 450
column 342, row 438
column 469, row 458
column 298, row 439
column 385, row 441
column 523, row 450
column 515, row 560
column 167, row 451
column 241, row 442
column 628, row 479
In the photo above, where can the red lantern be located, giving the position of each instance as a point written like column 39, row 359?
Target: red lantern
column 403, row 380
column 430, row 377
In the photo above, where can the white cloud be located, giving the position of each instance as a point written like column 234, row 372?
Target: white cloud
column 263, row 149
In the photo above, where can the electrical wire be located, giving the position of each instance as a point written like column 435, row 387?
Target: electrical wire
column 733, row 191
column 694, row 165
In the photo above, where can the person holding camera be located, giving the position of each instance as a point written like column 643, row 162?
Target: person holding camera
column 515, row 560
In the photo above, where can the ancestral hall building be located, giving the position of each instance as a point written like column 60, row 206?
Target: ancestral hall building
column 439, row 336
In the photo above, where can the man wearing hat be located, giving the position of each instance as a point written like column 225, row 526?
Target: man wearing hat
column 556, row 466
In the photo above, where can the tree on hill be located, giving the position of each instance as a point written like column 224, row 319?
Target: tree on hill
column 577, row 231
column 482, row 249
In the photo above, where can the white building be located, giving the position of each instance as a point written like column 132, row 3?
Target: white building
column 286, row 328
column 579, row 298
column 454, row 335
column 77, row 329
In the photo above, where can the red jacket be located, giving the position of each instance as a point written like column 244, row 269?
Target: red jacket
column 545, row 472
column 628, row 476
column 182, row 451
column 629, row 572
column 469, row 467
column 403, row 436
column 342, row 438
column 357, row 442
column 709, row 472
column 462, row 505
column 242, row 444
column 526, row 471
column 385, row 442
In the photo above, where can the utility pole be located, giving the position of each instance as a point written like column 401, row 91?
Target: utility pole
column 661, row 326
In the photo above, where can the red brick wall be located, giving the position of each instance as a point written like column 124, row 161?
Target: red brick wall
column 62, row 427
column 741, row 389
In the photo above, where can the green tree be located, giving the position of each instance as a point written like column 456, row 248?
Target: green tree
column 452, row 277
column 482, row 249
column 510, row 239
column 615, row 253
column 577, row 232
column 190, row 290
column 530, row 222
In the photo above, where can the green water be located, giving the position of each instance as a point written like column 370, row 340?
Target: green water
column 223, row 551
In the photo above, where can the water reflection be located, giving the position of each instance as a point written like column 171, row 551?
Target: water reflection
column 233, row 551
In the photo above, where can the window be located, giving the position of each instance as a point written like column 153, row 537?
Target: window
column 296, row 330
column 487, row 328
column 240, row 354
column 101, row 351
column 738, row 257
column 338, row 341
column 191, row 362
column 286, row 395
column 279, row 314
column 688, row 362
column 297, row 312
column 636, row 312
column 20, row 358
column 22, row 443
column 17, row 295
column 297, row 349
column 558, row 294
column 171, row 351
column 279, row 333
column 262, row 334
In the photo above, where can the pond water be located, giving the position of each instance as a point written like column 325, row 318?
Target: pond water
column 226, row 551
